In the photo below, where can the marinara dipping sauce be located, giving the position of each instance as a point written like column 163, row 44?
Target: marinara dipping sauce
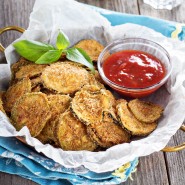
column 134, row 69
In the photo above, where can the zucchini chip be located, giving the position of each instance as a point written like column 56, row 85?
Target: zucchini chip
column 130, row 123
column 47, row 134
column 145, row 111
column 30, row 71
column 15, row 91
column 91, row 47
column 31, row 110
column 58, row 104
column 65, row 77
column 107, row 133
column 94, row 81
column 16, row 66
column 72, row 134
column 91, row 102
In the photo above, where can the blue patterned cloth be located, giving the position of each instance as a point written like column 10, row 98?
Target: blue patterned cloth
column 17, row 158
column 159, row 25
column 20, row 159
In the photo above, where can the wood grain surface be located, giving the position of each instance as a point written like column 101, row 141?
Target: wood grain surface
column 156, row 169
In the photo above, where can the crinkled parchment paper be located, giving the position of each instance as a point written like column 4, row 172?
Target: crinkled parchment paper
column 80, row 22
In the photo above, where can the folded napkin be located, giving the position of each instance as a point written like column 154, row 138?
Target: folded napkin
column 167, row 28
column 20, row 159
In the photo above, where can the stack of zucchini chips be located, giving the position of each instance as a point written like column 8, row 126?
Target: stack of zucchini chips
column 66, row 105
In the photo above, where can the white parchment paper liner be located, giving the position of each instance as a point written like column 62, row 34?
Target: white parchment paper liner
column 80, row 22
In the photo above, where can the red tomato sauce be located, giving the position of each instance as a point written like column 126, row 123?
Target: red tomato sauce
column 133, row 69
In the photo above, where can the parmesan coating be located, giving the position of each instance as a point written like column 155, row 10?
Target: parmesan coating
column 65, row 77
column 130, row 123
column 107, row 133
column 145, row 111
column 15, row 92
column 90, row 106
column 58, row 104
column 72, row 134
column 29, row 71
column 31, row 110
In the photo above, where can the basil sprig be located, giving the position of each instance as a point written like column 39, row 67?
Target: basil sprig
column 41, row 53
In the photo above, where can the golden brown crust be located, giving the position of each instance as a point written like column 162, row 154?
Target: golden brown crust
column 90, row 103
column 72, row 134
column 65, row 77
column 107, row 133
column 92, row 47
column 47, row 135
column 145, row 111
column 29, row 71
column 15, row 91
column 98, row 77
column 94, row 81
column 31, row 110
column 130, row 123
column 94, row 89
column 1, row 103
column 16, row 66
column 87, row 107
column 58, row 104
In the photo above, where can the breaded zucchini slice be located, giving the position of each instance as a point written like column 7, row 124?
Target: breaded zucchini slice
column 16, row 66
column 94, row 81
column 130, row 123
column 72, row 134
column 92, row 47
column 29, row 71
column 94, row 89
column 106, row 133
column 145, row 111
column 31, row 110
column 65, row 77
column 58, row 104
column 90, row 103
column 47, row 134
column 15, row 91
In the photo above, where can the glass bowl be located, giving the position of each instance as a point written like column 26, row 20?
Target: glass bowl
column 138, row 44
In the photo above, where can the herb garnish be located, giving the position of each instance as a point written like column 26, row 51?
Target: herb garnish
column 41, row 53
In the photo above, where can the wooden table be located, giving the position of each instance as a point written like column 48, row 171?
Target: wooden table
column 157, row 169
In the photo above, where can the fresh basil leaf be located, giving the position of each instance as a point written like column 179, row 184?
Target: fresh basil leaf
column 86, row 56
column 75, row 55
column 31, row 50
column 62, row 41
column 49, row 57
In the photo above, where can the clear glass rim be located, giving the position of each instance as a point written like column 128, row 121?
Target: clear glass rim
column 139, row 40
